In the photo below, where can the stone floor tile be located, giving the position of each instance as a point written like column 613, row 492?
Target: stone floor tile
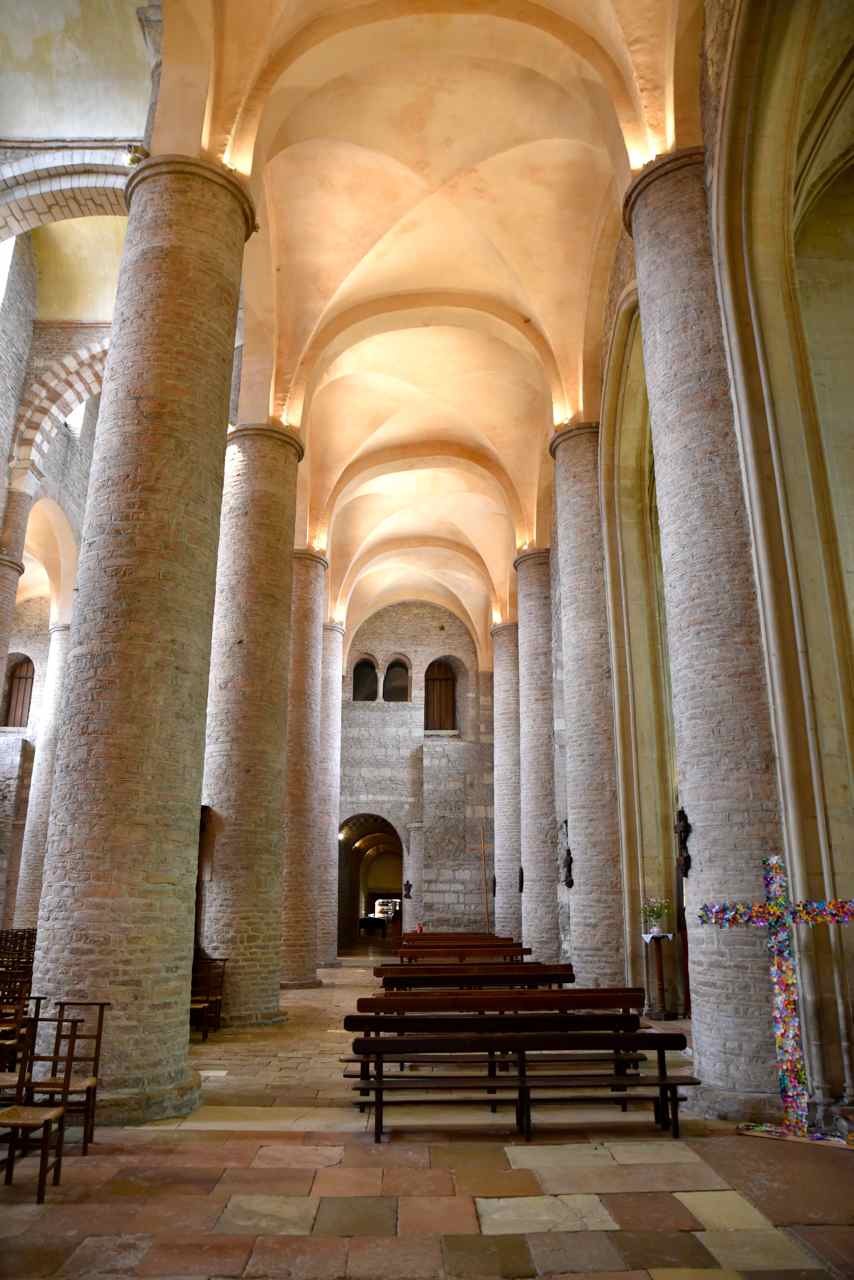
column 169, row 1181
column 298, row 1258
column 268, row 1216
column 786, row 1275
column 756, row 1250
column 297, row 1157
column 491, row 1257
column 398, row 1156
column 435, row 1215
column 624, row 1178
column 560, row 1251
column 15, row 1219
column 402, row 1259
column 619, row 1275
column 188, row 1255
column 106, row 1256
column 653, row 1211
column 665, row 1151
column 356, row 1216
column 418, row 1182
column 263, row 1182
column 73, row 1223
column 559, row 1156
column 667, row 1249
column 468, row 1155
column 19, row 1260
column 790, row 1182
column 543, row 1213
column 723, row 1211
column 496, row 1183
column 690, row 1273
column 348, row 1182
column 833, row 1246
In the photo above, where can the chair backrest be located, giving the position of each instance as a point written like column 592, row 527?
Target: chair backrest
column 61, row 1058
column 91, row 1038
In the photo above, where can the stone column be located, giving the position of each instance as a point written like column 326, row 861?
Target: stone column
column 329, row 797
column 413, row 871
column 13, row 532
column 724, row 745
column 598, row 940
column 508, row 836
column 303, row 804
column 536, row 766
column 41, row 784
column 117, row 906
column 244, row 776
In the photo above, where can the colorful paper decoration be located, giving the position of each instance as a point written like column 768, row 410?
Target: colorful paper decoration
column 777, row 914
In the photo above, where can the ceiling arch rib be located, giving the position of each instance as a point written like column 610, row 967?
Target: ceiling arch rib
column 394, row 548
column 233, row 134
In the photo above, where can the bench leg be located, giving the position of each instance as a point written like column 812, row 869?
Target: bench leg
column 490, row 1071
column 378, row 1116
column 674, row 1110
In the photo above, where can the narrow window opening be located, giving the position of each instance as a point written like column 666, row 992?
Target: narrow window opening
column 20, row 694
column 396, row 683
column 364, row 681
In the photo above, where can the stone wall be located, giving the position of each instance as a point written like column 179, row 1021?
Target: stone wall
column 563, row 894
column 392, row 768
column 17, row 313
column 16, row 761
column 30, row 638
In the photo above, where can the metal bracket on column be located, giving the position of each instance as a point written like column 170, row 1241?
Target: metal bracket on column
column 521, row 879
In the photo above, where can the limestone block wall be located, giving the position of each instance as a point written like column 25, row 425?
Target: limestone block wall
column 30, row 637
column 16, row 756
column 17, row 313
column 389, row 767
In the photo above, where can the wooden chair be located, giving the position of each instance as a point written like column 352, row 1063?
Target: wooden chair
column 206, row 994
column 22, row 1120
column 83, row 1090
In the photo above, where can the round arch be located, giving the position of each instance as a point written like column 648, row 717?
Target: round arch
column 370, row 870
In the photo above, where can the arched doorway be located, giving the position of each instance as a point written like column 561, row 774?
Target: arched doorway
column 370, row 883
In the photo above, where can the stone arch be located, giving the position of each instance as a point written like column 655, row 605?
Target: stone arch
column 51, row 186
column 56, row 389
column 397, row 660
column 362, row 837
column 359, row 682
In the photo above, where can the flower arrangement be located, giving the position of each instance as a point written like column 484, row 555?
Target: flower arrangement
column 654, row 912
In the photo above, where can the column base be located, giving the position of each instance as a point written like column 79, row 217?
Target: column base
column 329, row 964
column 128, row 1107
column 253, row 1020
column 711, row 1103
column 300, row 984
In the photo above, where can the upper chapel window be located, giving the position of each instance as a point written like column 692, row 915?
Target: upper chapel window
column 365, row 681
column 20, row 694
column 396, row 682
column 440, row 696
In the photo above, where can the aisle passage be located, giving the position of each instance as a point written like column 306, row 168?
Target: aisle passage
column 275, row 1175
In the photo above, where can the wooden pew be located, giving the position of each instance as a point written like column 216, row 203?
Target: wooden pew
column 618, row 999
column 462, row 977
column 528, row 1085
column 463, row 952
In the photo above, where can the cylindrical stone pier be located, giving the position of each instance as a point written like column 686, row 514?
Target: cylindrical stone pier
column 13, row 532
column 413, row 871
column 117, row 905
column 508, row 834
column 596, row 904
column 41, row 783
column 247, row 716
column 329, row 788
column 536, row 766
column 302, row 806
column 724, row 745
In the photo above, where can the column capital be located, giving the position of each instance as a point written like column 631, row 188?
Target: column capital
column 535, row 553
column 334, row 626
column 577, row 429
column 195, row 167
column 503, row 626
column 658, row 168
column 266, row 431
column 306, row 553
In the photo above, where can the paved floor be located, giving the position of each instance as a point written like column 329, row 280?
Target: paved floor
column 276, row 1176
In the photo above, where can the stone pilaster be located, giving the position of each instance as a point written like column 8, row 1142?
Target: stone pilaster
column 598, row 943
column 724, row 745
column 303, row 806
column 329, row 788
column 117, row 905
column 41, row 785
column 536, row 766
column 413, row 871
column 508, row 835
column 13, row 533
column 246, row 720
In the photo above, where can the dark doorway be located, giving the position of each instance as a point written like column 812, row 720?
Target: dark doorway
column 370, row 884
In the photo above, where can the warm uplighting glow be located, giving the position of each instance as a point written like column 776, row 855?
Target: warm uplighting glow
column 320, row 539
column 496, row 615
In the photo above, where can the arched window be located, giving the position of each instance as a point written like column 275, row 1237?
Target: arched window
column 440, row 696
column 20, row 694
column 396, row 682
column 364, row 681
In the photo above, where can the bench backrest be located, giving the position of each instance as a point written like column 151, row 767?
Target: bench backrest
column 475, row 966
column 379, row 1046
column 626, row 998
column 412, row 977
column 490, row 1024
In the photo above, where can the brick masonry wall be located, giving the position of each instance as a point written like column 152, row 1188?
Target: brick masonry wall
column 390, row 768
column 563, row 893
column 17, row 315
column 15, row 755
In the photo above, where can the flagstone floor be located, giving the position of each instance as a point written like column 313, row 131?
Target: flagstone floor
column 276, row 1175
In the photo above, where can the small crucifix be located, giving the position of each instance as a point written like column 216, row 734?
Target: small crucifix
column 777, row 914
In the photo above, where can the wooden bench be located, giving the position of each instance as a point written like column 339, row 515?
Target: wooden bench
column 462, row 977
column 535, row 1078
column 502, row 999
column 462, row 952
